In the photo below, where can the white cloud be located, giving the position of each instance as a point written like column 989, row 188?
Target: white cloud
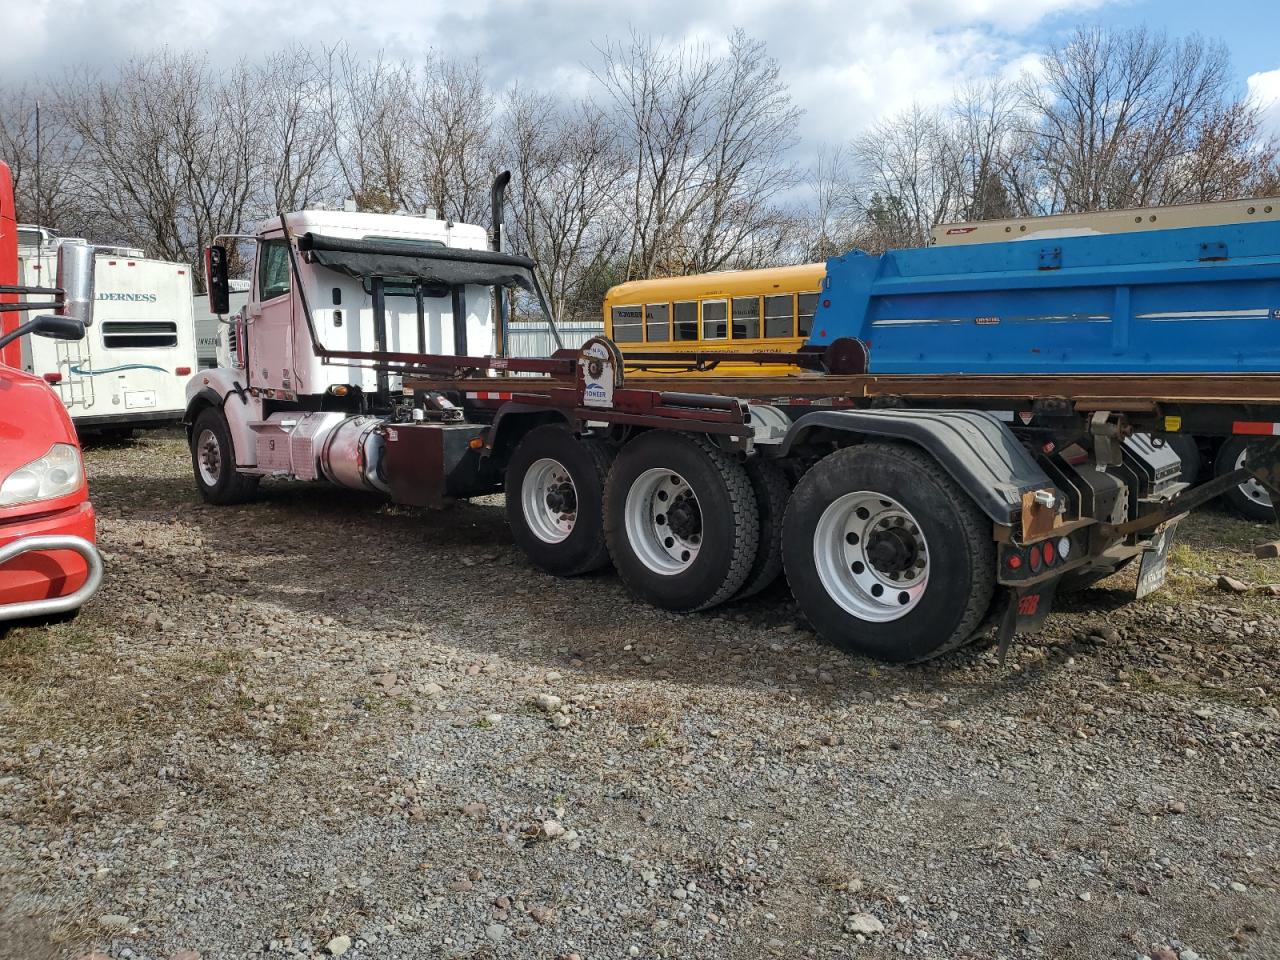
column 845, row 65
column 1264, row 90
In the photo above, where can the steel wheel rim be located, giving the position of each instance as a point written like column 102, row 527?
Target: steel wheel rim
column 209, row 457
column 663, row 521
column 872, row 556
column 1251, row 488
column 549, row 500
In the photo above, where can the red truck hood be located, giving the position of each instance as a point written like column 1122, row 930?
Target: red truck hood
column 32, row 419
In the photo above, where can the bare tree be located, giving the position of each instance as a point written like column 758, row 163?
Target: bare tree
column 566, row 163
column 298, row 160
column 366, row 105
column 904, row 179
column 708, row 136
column 450, row 130
column 1132, row 118
column 43, row 190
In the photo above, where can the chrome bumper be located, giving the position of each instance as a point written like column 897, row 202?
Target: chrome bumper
column 44, row 608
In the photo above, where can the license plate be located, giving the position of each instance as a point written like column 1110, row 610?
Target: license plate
column 139, row 399
column 1154, row 566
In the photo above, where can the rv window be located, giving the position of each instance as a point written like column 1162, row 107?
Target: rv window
column 139, row 334
column 627, row 326
column 779, row 316
column 686, row 321
column 808, row 303
column 273, row 270
column 655, row 322
column 746, row 318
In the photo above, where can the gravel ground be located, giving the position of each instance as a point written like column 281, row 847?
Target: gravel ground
column 320, row 725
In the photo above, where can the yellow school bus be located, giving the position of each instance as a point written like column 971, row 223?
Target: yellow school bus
column 738, row 310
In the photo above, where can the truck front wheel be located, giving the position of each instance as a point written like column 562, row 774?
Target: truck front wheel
column 681, row 521
column 886, row 555
column 213, row 461
column 555, row 488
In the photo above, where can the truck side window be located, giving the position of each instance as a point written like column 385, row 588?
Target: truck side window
column 273, row 270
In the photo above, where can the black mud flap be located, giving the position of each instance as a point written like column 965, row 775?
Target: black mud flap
column 1153, row 568
column 1028, row 608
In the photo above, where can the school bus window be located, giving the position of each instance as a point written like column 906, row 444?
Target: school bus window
column 746, row 318
column 686, row 321
column 808, row 303
column 627, row 325
column 715, row 320
column 779, row 316
column 655, row 322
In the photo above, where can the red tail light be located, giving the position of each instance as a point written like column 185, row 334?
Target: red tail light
column 183, row 371
column 1014, row 561
column 53, row 378
column 1036, row 558
column 1049, row 553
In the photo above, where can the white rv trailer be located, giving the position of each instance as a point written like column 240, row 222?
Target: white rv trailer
column 131, row 368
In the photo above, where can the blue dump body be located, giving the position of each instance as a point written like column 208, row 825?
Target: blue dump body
column 1193, row 300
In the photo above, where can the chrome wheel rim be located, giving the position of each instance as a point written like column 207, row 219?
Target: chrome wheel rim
column 549, row 500
column 209, row 457
column 872, row 556
column 1251, row 488
column 663, row 521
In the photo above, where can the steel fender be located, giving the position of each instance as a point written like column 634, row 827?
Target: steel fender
column 222, row 389
column 511, row 416
column 974, row 447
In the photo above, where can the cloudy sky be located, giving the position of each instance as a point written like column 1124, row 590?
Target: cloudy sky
column 847, row 63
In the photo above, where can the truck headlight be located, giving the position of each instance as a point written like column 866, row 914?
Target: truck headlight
column 57, row 473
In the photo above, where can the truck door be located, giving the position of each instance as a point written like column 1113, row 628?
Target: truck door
column 270, row 355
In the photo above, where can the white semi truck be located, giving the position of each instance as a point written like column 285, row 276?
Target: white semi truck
column 907, row 513
column 131, row 369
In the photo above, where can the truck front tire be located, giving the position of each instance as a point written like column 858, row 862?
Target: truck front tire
column 213, row 461
column 886, row 555
column 681, row 521
column 555, row 491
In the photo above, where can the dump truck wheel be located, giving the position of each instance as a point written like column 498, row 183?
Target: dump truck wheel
column 213, row 461
column 1250, row 499
column 772, row 491
column 886, row 555
column 555, row 492
column 681, row 521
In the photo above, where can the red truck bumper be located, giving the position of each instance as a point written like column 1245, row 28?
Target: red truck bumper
column 40, row 581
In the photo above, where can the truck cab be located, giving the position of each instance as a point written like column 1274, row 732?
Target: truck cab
column 336, row 301
column 49, row 564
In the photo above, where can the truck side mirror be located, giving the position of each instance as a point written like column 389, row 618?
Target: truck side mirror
column 57, row 328
column 215, row 280
column 47, row 325
column 75, row 280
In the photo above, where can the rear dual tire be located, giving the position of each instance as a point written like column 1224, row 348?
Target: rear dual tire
column 681, row 521
column 886, row 555
column 1250, row 499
